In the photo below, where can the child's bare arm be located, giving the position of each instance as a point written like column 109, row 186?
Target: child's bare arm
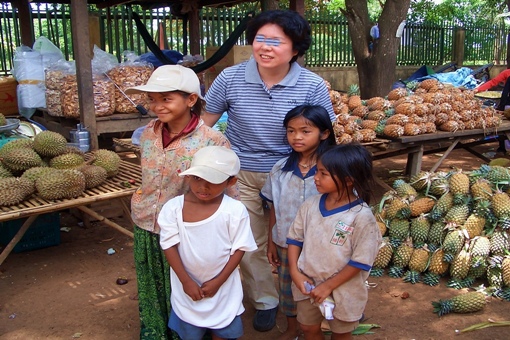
column 272, row 253
column 189, row 285
column 298, row 278
column 211, row 287
column 323, row 290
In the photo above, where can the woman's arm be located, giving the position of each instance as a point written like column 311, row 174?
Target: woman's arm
column 210, row 119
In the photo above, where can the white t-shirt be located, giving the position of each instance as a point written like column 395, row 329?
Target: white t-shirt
column 205, row 248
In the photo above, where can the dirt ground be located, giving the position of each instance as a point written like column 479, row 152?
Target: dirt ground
column 69, row 291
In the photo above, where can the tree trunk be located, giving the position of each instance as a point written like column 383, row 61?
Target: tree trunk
column 376, row 68
column 268, row 5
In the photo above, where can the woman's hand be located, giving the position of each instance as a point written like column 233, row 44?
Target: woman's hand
column 272, row 254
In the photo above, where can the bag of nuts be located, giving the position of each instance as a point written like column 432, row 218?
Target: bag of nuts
column 104, row 96
column 54, row 76
column 128, row 74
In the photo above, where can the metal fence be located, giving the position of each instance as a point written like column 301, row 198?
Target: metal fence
column 420, row 44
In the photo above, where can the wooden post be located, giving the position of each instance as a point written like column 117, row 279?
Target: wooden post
column 83, row 55
column 94, row 34
column 458, row 46
column 194, row 33
column 23, row 7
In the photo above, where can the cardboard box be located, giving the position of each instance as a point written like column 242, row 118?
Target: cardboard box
column 209, row 78
column 236, row 55
column 8, row 98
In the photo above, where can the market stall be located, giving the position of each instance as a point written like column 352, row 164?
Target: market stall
column 119, row 187
column 441, row 141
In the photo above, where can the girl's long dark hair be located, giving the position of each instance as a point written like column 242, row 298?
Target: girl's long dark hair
column 352, row 161
column 317, row 116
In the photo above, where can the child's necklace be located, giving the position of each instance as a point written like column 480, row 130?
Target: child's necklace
column 306, row 166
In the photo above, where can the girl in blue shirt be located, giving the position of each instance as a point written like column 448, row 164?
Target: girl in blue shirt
column 309, row 133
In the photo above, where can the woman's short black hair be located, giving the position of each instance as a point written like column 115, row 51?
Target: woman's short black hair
column 292, row 23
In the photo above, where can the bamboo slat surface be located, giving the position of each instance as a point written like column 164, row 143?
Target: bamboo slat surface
column 115, row 187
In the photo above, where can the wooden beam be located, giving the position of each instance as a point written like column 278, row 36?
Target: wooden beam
column 298, row 6
column 83, row 55
column 23, row 7
column 194, row 32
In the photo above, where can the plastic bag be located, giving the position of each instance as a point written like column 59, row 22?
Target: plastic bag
column 103, row 61
column 131, row 72
column 49, row 52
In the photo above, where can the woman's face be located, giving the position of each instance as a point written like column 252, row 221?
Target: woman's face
column 272, row 48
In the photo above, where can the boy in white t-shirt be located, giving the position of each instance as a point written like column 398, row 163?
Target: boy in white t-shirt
column 204, row 234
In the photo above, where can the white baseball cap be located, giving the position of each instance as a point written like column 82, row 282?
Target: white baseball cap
column 215, row 164
column 169, row 78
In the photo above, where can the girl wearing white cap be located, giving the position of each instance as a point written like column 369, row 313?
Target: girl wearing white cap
column 167, row 145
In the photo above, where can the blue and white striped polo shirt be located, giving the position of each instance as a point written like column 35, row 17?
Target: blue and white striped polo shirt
column 255, row 114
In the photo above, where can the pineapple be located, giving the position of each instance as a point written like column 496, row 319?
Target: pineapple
column 398, row 119
column 405, row 109
column 501, row 204
column 400, row 259
column 421, row 205
column 382, row 259
column 450, row 126
column 397, row 93
column 474, row 225
column 369, row 124
column 495, row 272
column 436, row 235
column 437, row 267
column 498, row 175
column 440, row 184
column 479, row 249
column 382, row 227
column 505, row 270
column 499, row 243
column 443, row 205
column 465, row 303
column 481, row 189
column 360, row 111
column 459, row 269
column 398, row 230
column 421, row 180
column 398, row 208
column 411, row 129
column 417, row 264
column 419, row 230
column 376, row 115
column 393, row 130
column 453, row 243
column 367, row 135
column 456, row 216
column 428, row 84
column 459, row 186
column 404, row 189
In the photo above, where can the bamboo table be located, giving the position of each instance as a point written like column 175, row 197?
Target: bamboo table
column 117, row 187
column 414, row 146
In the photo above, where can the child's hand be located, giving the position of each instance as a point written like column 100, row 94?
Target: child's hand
column 210, row 288
column 193, row 290
column 272, row 254
column 299, row 280
column 320, row 293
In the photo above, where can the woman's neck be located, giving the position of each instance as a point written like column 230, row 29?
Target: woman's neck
column 271, row 77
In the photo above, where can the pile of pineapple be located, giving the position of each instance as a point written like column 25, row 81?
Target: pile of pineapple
column 454, row 224
column 420, row 108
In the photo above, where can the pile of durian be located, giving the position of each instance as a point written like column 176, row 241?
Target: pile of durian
column 46, row 166
column 454, row 224
column 420, row 108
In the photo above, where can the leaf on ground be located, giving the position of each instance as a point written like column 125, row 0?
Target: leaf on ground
column 364, row 328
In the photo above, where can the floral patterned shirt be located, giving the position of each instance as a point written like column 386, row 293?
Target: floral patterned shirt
column 161, row 166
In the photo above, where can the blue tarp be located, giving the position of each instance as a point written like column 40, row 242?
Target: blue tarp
column 461, row 77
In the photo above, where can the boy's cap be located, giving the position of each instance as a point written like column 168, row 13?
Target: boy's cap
column 169, row 78
column 215, row 164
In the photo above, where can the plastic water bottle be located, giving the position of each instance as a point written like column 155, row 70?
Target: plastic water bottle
column 81, row 137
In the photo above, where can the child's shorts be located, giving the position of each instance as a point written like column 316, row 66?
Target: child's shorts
column 190, row 332
column 308, row 314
